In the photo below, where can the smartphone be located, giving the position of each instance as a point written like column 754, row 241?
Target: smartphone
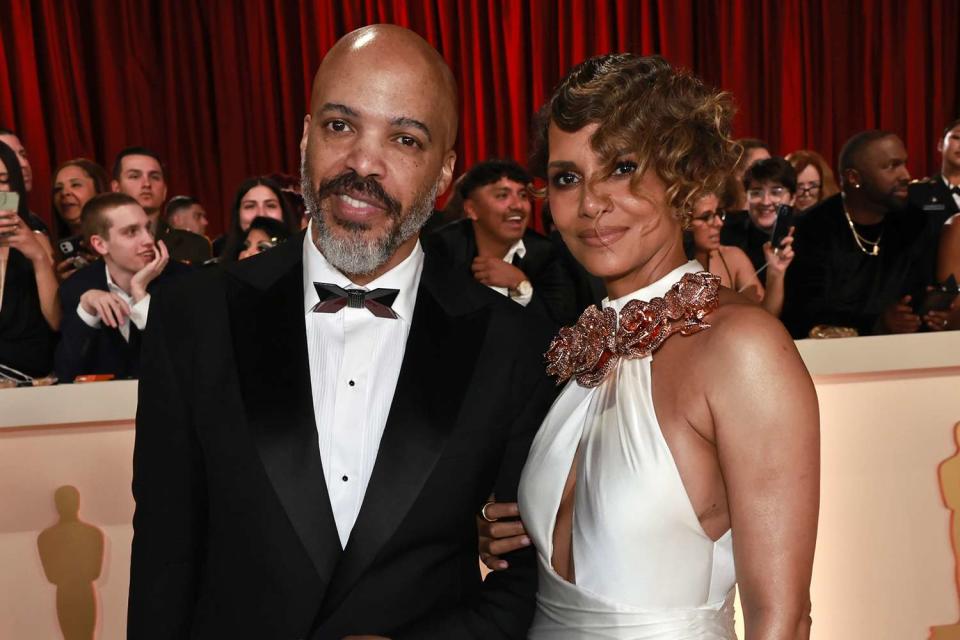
column 781, row 226
column 69, row 247
column 9, row 201
column 939, row 299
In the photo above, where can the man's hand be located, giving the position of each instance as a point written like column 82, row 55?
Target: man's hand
column 109, row 307
column 149, row 273
column 494, row 272
column 944, row 320
column 900, row 318
column 498, row 538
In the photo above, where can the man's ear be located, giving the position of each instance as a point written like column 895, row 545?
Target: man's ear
column 115, row 186
column 851, row 177
column 469, row 209
column 446, row 171
column 303, row 138
column 99, row 244
column 940, row 144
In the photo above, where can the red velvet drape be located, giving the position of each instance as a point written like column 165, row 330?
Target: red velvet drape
column 219, row 87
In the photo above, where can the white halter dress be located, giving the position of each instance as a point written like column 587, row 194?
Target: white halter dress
column 645, row 569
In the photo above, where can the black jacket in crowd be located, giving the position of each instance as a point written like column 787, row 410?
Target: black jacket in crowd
column 234, row 536
column 554, row 293
column 83, row 349
column 832, row 282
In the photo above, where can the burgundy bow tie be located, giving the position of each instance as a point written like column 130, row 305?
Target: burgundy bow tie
column 334, row 298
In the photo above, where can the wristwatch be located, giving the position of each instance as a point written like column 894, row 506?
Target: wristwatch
column 522, row 290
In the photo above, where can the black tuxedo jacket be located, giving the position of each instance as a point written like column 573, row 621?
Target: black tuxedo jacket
column 87, row 350
column 554, row 292
column 234, row 536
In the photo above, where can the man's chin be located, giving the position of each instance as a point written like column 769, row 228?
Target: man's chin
column 897, row 202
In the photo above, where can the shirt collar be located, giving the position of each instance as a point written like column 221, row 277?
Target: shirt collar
column 112, row 286
column 518, row 249
column 405, row 277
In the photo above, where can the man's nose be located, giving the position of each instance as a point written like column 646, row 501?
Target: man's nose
column 366, row 157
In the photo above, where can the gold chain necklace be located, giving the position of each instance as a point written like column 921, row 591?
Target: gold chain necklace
column 862, row 242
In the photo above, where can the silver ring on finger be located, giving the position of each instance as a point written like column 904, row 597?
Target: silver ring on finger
column 483, row 512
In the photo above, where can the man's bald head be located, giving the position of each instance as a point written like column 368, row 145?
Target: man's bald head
column 377, row 147
column 390, row 51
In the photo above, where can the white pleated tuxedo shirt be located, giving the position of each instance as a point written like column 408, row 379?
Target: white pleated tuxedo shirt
column 355, row 360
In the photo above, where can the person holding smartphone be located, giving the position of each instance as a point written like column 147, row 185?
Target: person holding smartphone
column 29, row 308
column 731, row 263
column 768, row 183
column 74, row 183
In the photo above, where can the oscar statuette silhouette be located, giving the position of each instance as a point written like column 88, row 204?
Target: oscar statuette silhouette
column 71, row 552
column 949, row 474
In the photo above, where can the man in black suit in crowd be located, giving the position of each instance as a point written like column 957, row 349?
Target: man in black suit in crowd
column 939, row 195
column 494, row 244
column 105, row 304
column 319, row 425
column 863, row 259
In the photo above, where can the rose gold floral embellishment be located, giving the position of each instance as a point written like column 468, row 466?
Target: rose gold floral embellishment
column 591, row 348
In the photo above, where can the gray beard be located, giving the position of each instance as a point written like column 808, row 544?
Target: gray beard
column 347, row 249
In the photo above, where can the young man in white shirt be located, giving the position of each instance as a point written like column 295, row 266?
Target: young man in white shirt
column 106, row 303
column 495, row 245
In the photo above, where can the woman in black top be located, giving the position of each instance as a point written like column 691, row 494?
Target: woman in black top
column 256, row 197
column 29, row 308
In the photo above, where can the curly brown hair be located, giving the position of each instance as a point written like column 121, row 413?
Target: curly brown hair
column 667, row 117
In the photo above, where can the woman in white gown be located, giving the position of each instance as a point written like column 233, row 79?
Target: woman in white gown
column 682, row 456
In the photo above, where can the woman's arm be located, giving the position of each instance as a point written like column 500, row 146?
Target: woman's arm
column 36, row 248
column 766, row 423
column 948, row 257
column 745, row 278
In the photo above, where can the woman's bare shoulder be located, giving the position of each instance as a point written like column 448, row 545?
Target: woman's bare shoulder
column 739, row 326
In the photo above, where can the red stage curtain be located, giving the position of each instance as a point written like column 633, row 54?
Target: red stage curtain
column 219, row 88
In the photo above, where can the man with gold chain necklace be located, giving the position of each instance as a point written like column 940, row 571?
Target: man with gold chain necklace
column 864, row 257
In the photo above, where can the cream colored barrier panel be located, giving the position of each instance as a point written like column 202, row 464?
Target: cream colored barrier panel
column 885, row 565
column 78, row 575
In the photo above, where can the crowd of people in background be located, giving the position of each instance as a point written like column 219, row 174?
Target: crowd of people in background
column 864, row 250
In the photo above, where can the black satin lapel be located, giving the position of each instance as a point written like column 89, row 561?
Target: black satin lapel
column 272, row 362
column 437, row 366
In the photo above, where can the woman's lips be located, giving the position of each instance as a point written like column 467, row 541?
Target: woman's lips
column 601, row 236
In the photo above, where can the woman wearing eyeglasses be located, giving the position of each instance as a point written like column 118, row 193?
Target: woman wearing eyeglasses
column 815, row 181
column 731, row 263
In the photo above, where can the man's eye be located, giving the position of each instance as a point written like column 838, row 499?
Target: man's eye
column 564, row 179
column 338, row 126
column 624, row 168
column 408, row 141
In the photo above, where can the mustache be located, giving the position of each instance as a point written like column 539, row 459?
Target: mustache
column 368, row 186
